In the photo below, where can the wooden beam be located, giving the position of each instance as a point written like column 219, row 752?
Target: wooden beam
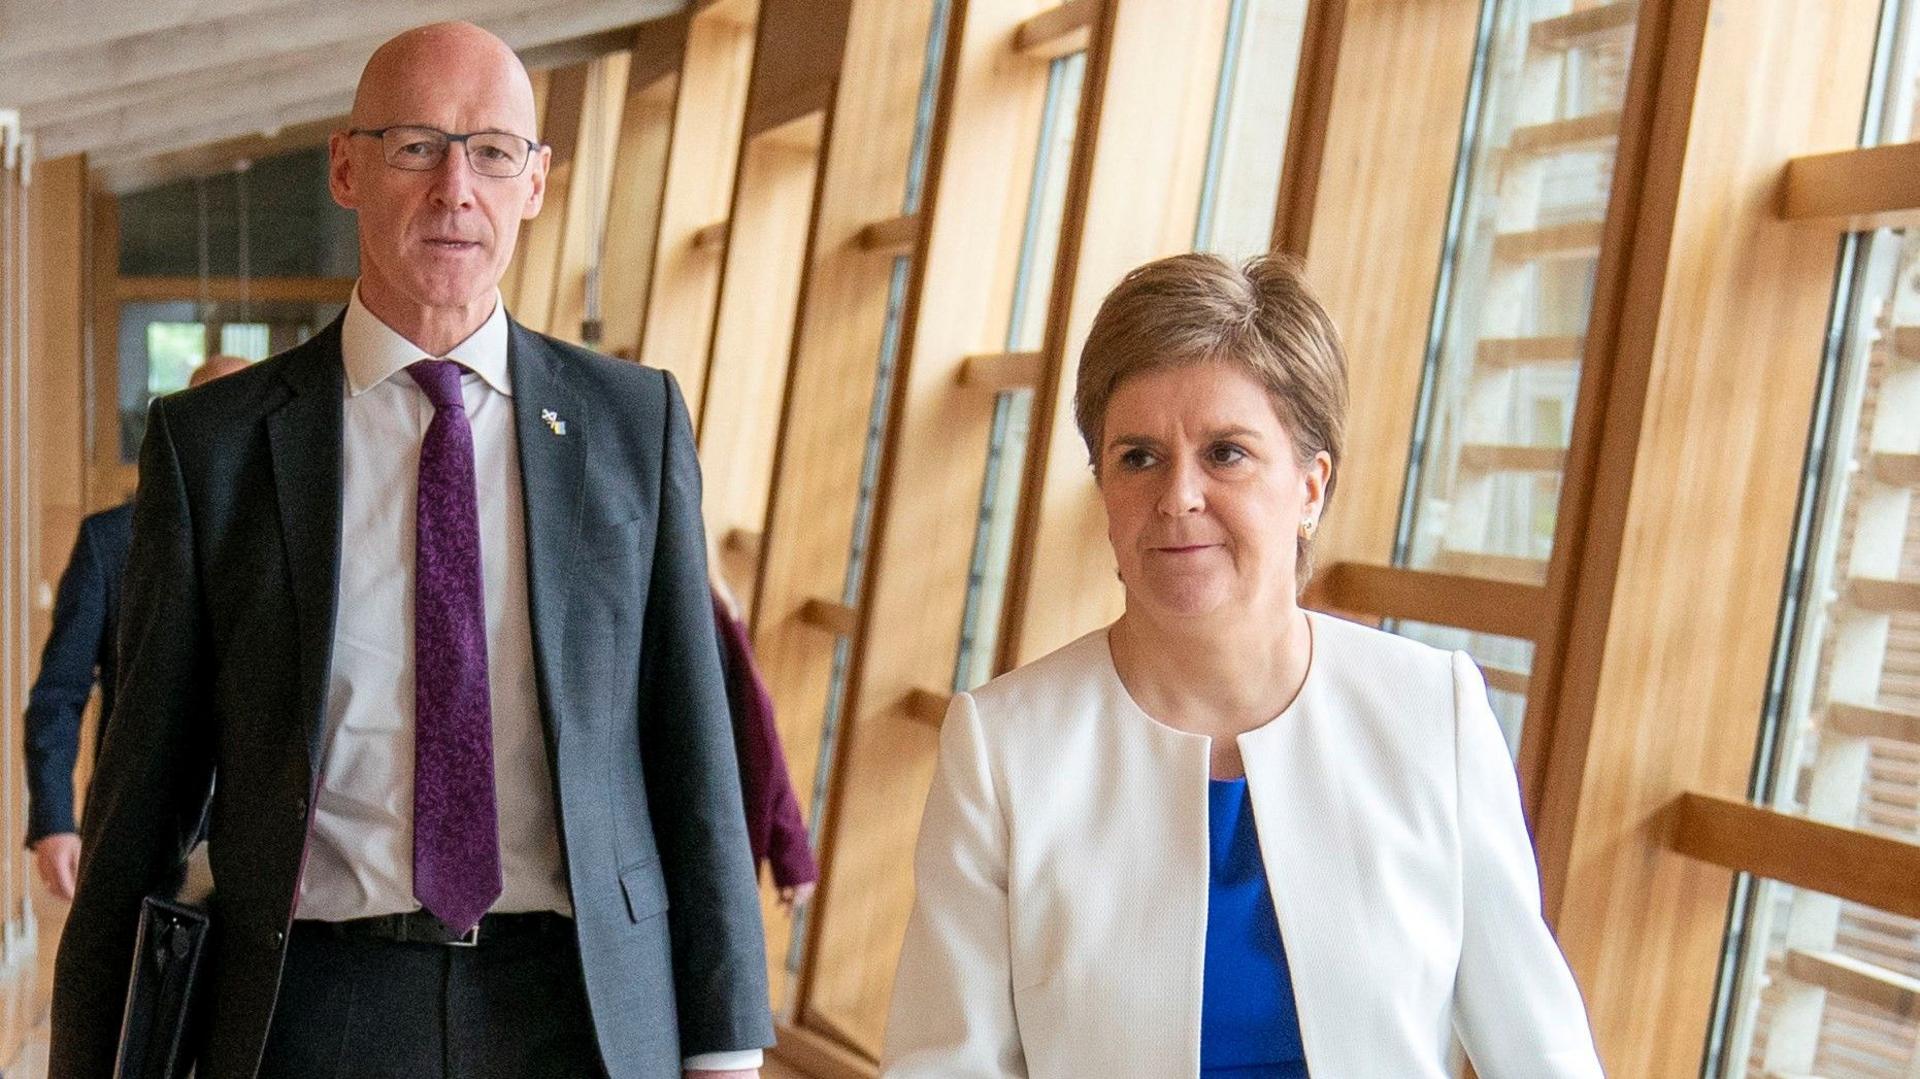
column 542, row 238
column 1576, row 239
column 1583, row 27
column 1853, row 190
column 1872, row 869
column 232, row 289
column 702, row 157
column 1499, row 567
column 926, row 706
column 836, row 618
column 633, row 207
column 1867, row 721
column 1058, row 31
column 1480, row 457
column 1895, row 469
column 1856, row 979
column 1882, row 596
column 1580, row 133
column 1501, row 680
column 1472, row 603
column 999, row 372
column 29, row 26
column 711, row 237
column 894, row 236
column 1517, row 351
column 743, row 542
column 209, row 159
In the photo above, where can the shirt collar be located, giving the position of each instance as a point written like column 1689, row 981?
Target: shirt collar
column 374, row 351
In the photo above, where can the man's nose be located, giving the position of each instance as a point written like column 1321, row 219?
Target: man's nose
column 453, row 179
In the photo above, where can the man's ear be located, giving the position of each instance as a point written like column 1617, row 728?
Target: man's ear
column 340, row 169
column 537, row 177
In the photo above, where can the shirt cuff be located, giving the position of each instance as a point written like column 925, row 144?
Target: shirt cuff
column 739, row 1060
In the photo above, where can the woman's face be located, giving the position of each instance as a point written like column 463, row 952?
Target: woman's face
column 1204, row 491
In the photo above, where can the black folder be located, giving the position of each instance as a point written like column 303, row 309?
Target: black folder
column 158, row 1032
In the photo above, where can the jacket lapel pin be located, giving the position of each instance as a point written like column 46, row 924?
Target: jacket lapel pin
column 554, row 423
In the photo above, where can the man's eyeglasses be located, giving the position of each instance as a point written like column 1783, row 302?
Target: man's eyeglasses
column 499, row 154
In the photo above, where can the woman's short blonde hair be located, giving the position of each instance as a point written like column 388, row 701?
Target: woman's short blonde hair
column 1259, row 316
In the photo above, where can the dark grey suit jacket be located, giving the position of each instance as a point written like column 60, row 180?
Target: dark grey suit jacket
column 227, row 629
column 86, row 619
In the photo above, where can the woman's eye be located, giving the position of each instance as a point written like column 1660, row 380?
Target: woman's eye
column 1136, row 459
column 1226, row 453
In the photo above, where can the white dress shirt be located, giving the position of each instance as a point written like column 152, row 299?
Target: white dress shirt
column 360, row 849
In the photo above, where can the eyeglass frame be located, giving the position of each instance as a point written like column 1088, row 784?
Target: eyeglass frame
column 533, row 146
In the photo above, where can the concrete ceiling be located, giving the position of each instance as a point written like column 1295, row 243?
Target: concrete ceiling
column 144, row 88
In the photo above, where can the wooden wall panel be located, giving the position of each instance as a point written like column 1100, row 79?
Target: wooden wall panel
column 986, row 129
column 589, row 192
column 830, row 384
column 1689, row 532
column 701, row 158
column 59, row 376
column 753, row 339
column 1148, row 115
column 633, row 209
column 1392, row 138
column 510, row 281
column 540, row 240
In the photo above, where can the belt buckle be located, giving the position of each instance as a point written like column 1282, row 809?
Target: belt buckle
column 468, row 939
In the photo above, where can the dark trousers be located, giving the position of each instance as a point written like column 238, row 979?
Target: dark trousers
column 361, row 1008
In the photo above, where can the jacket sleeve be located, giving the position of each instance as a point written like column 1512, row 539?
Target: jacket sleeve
column 693, row 779
column 952, row 1014
column 1516, row 1009
column 60, row 691
column 154, row 772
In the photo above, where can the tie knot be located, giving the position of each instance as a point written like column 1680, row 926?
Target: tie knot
column 440, row 381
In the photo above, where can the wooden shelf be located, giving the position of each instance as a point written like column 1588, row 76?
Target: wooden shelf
column 1576, row 239
column 1583, row 27
column 836, row 618
column 1580, row 133
column 1857, row 979
column 1895, row 469
column 1000, row 372
column 1865, row 721
column 1506, row 681
column 744, row 542
column 926, row 706
column 1855, row 189
column 1497, row 567
column 1882, row 596
column 1906, row 342
column 1443, row 599
column 1059, row 31
column 895, row 235
column 711, row 237
column 1518, row 351
column 1876, row 870
column 1482, row 457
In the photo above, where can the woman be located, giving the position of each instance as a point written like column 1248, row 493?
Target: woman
column 1225, row 836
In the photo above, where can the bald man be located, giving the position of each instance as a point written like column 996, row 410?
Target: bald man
column 421, row 605
column 79, row 651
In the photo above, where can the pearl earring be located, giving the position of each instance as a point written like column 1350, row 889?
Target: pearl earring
column 1306, row 528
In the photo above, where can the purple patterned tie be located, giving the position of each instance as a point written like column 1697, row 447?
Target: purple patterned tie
column 456, row 846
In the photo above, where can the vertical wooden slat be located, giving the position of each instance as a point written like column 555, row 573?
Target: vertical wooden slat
column 837, row 343
column 510, row 281
column 705, row 148
column 1149, row 114
column 1687, row 541
column 589, row 192
column 639, row 174
column 986, row 131
column 540, row 243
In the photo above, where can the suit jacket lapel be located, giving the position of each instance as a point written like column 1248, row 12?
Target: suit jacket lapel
column 552, row 473
column 304, row 436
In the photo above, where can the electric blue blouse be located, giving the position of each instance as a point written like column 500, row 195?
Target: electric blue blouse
column 1248, row 1026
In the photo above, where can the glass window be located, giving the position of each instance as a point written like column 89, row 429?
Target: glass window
column 1810, row 977
column 1013, row 410
column 1516, row 288
column 1252, row 113
column 273, row 219
column 1506, row 662
column 161, row 342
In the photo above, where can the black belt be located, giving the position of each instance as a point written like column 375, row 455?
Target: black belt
column 420, row 927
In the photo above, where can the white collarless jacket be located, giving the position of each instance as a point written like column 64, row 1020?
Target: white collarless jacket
column 1062, row 873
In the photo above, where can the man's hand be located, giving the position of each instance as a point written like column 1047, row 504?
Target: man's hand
column 57, row 857
column 748, row 1073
